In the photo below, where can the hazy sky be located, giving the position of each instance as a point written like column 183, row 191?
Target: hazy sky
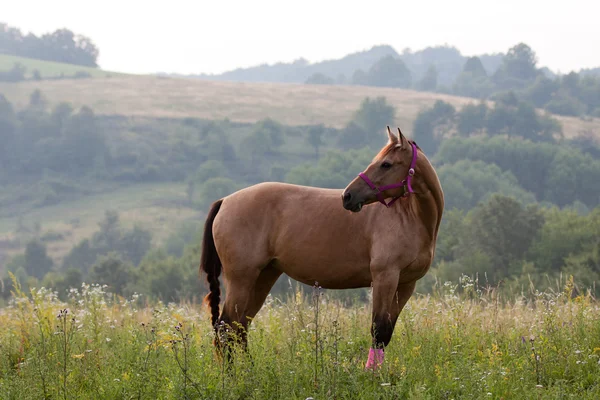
column 211, row 36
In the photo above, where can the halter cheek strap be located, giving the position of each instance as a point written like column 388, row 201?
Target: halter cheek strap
column 406, row 183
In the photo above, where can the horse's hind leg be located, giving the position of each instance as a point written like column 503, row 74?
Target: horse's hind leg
column 246, row 292
column 264, row 283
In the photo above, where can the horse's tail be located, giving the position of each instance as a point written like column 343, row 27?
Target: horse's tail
column 210, row 263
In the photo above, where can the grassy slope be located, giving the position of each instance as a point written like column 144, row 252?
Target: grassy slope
column 292, row 104
column 49, row 69
column 157, row 207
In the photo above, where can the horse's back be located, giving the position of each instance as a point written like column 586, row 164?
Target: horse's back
column 304, row 229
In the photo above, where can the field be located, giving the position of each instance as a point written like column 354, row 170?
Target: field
column 49, row 69
column 290, row 104
column 157, row 207
column 446, row 346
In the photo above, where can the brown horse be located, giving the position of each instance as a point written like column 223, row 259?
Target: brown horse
column 319, row 235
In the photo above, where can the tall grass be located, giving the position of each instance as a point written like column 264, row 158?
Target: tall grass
column 460, row 342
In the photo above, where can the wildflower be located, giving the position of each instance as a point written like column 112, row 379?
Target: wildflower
column 108, row 339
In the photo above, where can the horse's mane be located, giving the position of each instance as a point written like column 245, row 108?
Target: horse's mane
column 391, row 146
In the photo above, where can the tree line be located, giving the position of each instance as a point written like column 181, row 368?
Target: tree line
column 62, row 45
column 517, row 75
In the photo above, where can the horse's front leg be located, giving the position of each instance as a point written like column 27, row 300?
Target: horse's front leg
column 389, row 298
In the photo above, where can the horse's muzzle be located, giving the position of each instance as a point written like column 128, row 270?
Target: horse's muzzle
column 350, row 202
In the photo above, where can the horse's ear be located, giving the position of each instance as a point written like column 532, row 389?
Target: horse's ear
column 401, row 139
column 393, row 138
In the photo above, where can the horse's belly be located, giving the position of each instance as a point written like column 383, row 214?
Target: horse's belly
column 328, row 273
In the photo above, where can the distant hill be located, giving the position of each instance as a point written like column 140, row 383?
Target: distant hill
column 300, row 70
column 590, row 71
column 50, row 69
column 447, row 60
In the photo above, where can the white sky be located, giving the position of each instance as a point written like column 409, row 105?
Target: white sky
column 214, row 36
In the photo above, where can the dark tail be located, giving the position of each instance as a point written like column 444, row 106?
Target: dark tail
column 210, row 263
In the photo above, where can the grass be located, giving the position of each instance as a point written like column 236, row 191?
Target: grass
column 50, row 69
column 157, row 207
column 291, row 104
column 446, row 346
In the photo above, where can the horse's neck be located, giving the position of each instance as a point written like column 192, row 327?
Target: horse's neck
column 430, row 197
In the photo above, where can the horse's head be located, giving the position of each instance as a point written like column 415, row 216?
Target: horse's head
column 389, row 175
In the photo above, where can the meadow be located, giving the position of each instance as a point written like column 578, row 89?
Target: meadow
column 289, row 104
column 158, row 207
column 463, row 341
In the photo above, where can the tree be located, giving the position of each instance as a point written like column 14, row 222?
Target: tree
column 111, row 270
column 389, row 72
column 37, row 262
column 431, row 125
column 518, row 67
column 541, row 91
column 83, row 142
column 429, row 81
column 504, row 230
column 8, row 131
column 471, row 119
column 319, row 79
column 134, row 244
column 314, row 138
column 216, row 188
column 373, row 116
column 473, row 81
column 474, row 67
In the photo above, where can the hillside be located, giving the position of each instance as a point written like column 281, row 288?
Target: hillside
column 290, row 104
column 50, row 69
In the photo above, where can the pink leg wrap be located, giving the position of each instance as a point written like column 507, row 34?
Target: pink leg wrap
column 375, row 358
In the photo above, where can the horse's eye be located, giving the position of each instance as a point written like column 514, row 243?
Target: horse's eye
column 386, row 165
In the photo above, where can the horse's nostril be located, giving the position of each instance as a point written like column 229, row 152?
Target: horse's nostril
column 347, row 196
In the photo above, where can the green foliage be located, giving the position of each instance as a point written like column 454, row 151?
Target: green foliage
column 367, row 127
column 215, row 188
column 504, row 231
column 565, row 234
column 373, row 115
column 473, row 81
column 37, row 262
column 468, row 183
column 432, row 124
column 319, row 79
column 334, row 170
column 15, row 74
column 131, row 245
column 553, row 173
column 61, row 45
column 389, row 72
column 519, row 65
column 112, row 271
column 429, row 81
column 315, row 138
column 472, row 119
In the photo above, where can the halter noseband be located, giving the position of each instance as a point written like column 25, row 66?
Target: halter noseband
column 405, row 183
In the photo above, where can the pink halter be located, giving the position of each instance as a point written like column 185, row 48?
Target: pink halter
column 406, row 183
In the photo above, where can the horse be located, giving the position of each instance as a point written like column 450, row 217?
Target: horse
column 331, row 236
